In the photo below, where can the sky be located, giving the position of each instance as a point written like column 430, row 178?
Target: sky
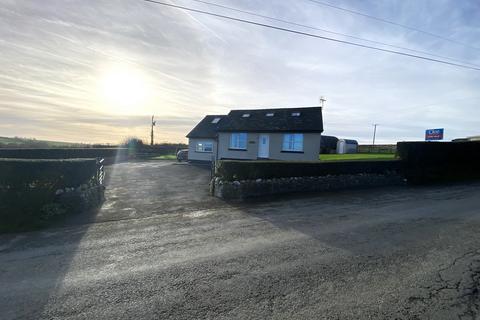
column 96, row 70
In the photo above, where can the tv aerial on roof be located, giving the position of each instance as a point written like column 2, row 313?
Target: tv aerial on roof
column 322, row 101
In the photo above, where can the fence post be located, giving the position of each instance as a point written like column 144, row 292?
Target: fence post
column 100, row 171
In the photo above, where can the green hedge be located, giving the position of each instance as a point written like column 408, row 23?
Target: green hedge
column 231, row 170
column 440, row 161
column 160, row 150
column 20, row 173
column 27, row 188
column 64, row 153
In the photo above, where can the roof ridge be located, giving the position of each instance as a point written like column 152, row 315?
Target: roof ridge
column 269, row 109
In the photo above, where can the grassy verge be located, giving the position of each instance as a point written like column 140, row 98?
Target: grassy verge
column 164, row 157
column 357, row 156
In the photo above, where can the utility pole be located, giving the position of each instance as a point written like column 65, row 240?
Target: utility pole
column 151, row 131
column 374, row 132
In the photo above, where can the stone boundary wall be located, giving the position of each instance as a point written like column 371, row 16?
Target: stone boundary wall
column 266, row 187
column 84, row 197
column 70, row 201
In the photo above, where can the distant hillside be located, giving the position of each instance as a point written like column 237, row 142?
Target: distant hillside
column 24, row 143
column 18, row 142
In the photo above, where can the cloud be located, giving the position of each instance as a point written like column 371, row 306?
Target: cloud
column 54, row 54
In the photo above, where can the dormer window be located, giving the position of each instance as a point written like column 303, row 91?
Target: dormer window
column 215, row 120
column 246, row 115
column 270, row 114
column 295, row 114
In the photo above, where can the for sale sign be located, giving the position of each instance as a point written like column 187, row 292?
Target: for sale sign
column 434, row 134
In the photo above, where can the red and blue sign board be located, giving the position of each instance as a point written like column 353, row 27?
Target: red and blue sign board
column 434, row 134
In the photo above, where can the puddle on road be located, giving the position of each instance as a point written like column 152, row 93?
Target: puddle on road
column 131, row 212
column 198, row 214
column 108, row 205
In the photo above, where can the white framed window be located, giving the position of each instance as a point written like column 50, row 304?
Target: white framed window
column 215, row 120
column 293, row 142
column 238, row 141
column 204, row 146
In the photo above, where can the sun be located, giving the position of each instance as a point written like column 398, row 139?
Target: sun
column 124, row 90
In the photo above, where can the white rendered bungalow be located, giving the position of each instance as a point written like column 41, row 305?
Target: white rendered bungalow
column 278, row 134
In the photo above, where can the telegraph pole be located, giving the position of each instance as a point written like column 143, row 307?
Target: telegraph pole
column 374, row 132
column 151, row 131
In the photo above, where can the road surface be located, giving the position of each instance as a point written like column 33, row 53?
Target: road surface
column 403, row 252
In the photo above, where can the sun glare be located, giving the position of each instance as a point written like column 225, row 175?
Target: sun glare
column 125, row 91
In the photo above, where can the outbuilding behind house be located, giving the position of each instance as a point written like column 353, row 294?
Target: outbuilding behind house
column 347, row 146
column 328, row 144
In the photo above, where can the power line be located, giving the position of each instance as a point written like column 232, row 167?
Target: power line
column 329, row 31
column 310, row 34
column 392, row 23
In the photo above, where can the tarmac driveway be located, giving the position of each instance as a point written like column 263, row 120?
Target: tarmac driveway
column 149, row 188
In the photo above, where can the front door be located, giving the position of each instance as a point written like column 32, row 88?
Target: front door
column 263, row 146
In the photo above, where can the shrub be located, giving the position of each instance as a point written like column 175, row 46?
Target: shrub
column 249, row 170
column 133, row 146
column 133, row 142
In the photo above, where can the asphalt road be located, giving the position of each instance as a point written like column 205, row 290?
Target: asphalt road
column 405, row 253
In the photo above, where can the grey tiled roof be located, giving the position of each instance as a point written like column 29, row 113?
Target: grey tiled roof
column 205, row 128
column 309, row 120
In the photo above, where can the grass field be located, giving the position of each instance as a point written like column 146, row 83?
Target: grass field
column 16, row 142
column 357, row 156
column 164, row 157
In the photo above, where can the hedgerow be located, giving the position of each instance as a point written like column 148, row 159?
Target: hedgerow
column 28, row 188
